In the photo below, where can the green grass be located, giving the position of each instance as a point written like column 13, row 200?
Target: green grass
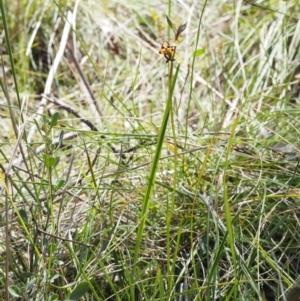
column 126, row 178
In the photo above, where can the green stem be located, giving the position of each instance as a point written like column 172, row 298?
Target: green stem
column 154, row 166
column 171, row 207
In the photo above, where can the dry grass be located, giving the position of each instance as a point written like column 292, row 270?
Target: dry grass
column 81, row 110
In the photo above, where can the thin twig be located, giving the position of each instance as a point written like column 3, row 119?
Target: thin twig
column 93, row 104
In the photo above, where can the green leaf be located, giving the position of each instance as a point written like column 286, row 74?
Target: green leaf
column 53, row 297
column 198, row 52
column 54, row 120
column 24, row 216
column 61, row 139
column 50, row 161
column 13, row 292
column 79, row 291
column 27, row 275
column 60, row 184
column 169, row 22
